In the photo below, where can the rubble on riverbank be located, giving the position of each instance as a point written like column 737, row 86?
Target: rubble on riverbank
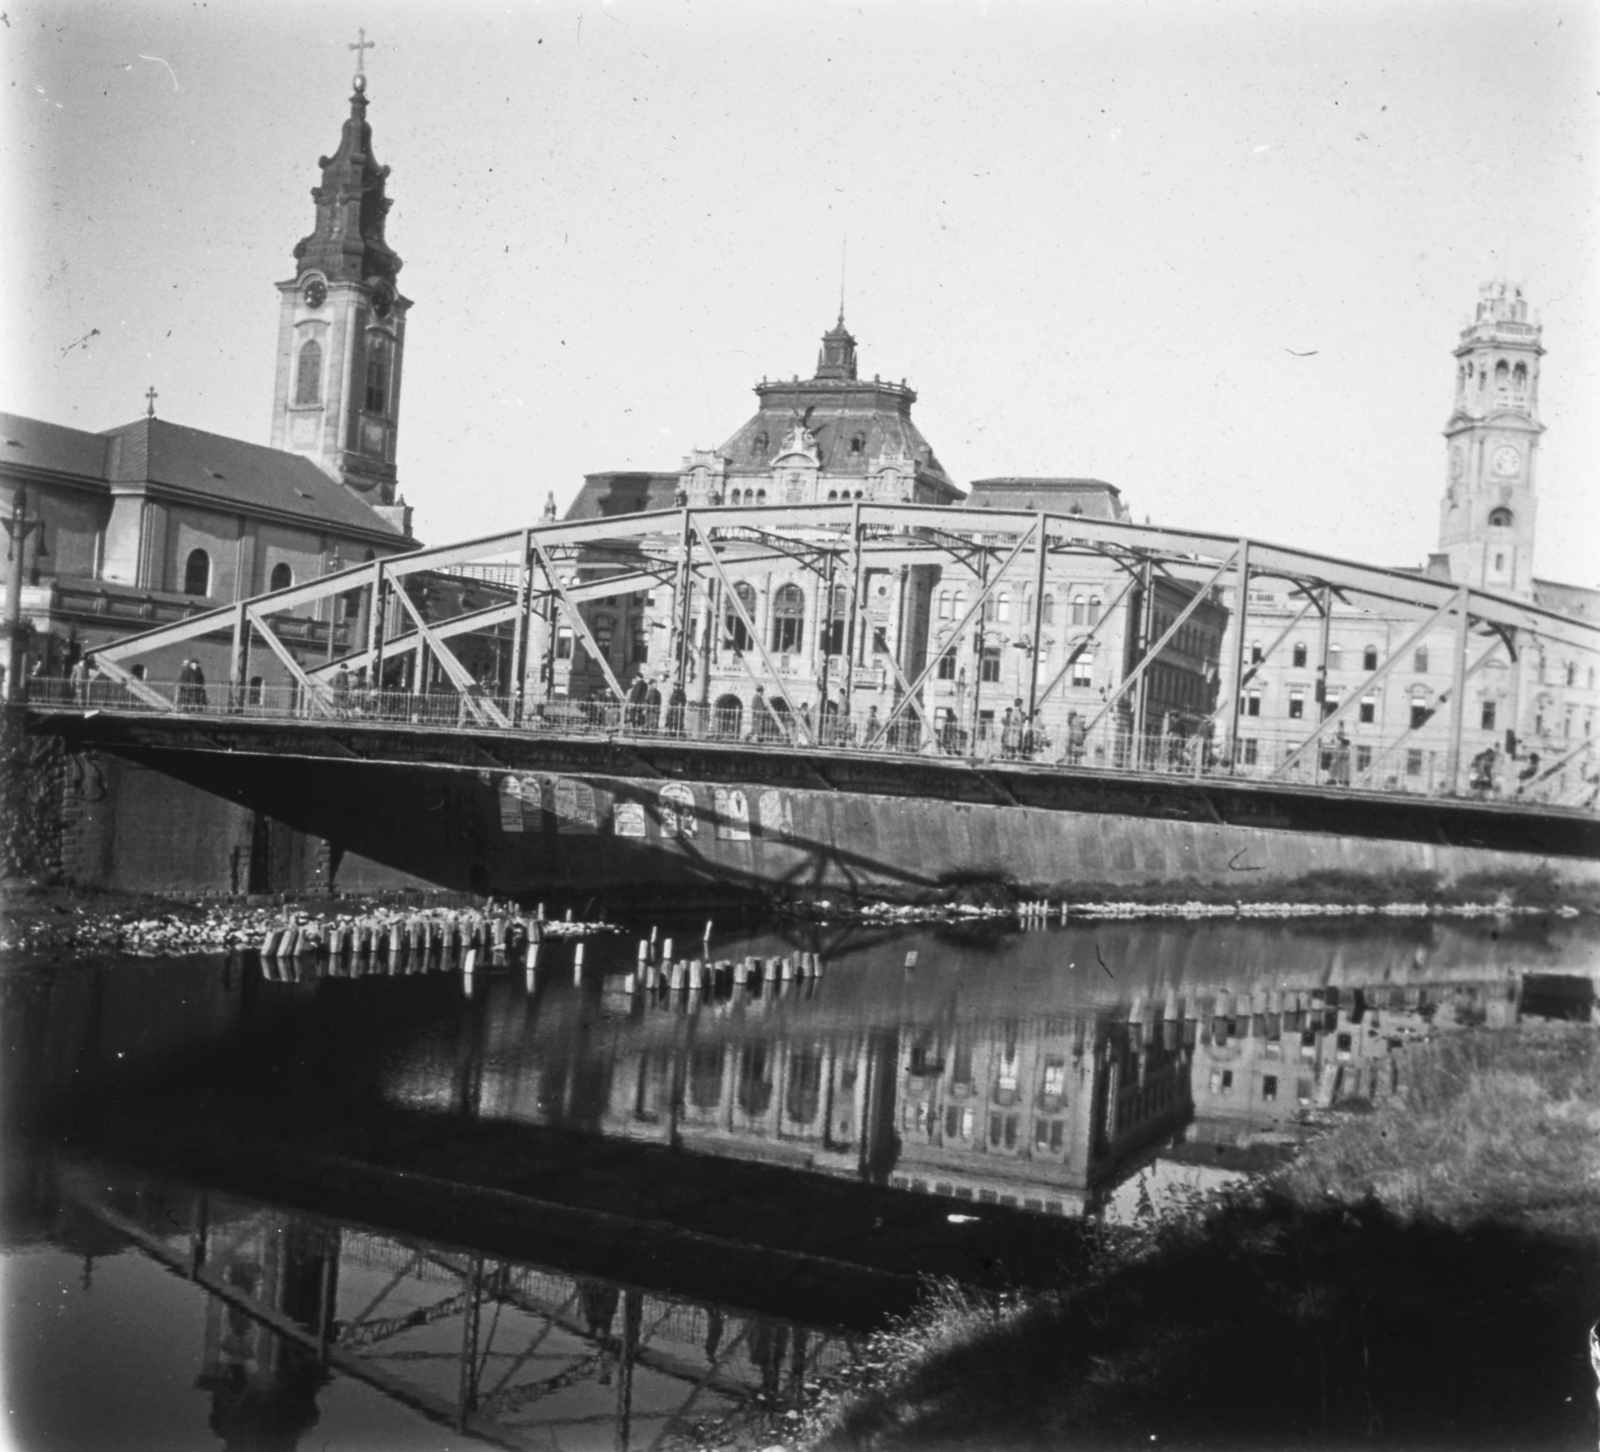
column 1037, row 912
column 38, row 920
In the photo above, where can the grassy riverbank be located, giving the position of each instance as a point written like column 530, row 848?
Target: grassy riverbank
column 1423, row 1275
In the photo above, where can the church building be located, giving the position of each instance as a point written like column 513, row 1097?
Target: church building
column 149, row 522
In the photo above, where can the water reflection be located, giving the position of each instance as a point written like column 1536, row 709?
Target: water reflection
column 515, row 1354
column 1035, row 1076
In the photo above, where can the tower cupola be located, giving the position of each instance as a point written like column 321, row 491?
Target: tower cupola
column 838, row 356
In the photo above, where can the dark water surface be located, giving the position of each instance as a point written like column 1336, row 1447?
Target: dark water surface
column 391, row 1206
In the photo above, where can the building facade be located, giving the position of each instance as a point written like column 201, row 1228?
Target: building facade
column 837, row 438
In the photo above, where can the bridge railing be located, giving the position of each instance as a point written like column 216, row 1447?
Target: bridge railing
column 1362, row 764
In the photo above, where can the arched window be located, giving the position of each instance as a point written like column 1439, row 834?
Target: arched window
column 858, row 442
column 1369, row 658
column 308, row 373
column 1502, row 372
column 1048, row 613
column 1002, row 605
column 253, row 694
column 761, row 497
column 1094, row 610
column 944, row 604
column 1519, row 378
column 958, row 604
column 788, row 619
column 197, row 573
column 377, row 379
column 735, row 636
column 729, row 717
column 1500, row 518
column 833, row 494
column 281, row 578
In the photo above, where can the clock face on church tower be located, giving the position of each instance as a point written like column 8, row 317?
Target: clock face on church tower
column 1507, row 461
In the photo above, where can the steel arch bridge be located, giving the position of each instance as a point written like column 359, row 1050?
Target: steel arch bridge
column 542, row 577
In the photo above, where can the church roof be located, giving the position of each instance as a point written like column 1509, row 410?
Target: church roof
column 235, row 473
column 34, row 444
column 152, row 451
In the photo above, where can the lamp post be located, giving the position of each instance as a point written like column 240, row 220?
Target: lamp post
column 17, row 527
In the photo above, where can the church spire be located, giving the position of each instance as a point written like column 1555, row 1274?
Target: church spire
column 347, row 242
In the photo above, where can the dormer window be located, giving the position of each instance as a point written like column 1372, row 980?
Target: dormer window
column 858, row 443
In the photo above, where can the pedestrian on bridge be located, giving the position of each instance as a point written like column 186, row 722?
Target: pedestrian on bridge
column 633, row 712
column 676, row 703
column 652, row 707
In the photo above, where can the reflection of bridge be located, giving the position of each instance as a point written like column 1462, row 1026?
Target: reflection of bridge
column 510, row 1353
column 861, row 721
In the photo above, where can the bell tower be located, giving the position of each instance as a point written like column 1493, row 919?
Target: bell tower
column 1491, row 447
column 342, row 325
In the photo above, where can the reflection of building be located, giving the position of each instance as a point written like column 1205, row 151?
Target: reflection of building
column 1302, row 662
column 147, row 523
column 1264, row 1058
column 1040, row 1113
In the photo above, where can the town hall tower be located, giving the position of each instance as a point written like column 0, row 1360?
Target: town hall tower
column 1486, row 519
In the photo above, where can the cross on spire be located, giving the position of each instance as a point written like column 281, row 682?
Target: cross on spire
column 358, row 46
column 150, row 401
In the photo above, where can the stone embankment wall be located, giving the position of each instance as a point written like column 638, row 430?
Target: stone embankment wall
column 261, row 823
column 98, row 821
column 32, row 771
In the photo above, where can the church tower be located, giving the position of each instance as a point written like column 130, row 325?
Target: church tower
column 1492, row 441
column 342, row 327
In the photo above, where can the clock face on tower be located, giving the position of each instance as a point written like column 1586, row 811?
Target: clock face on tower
column 1507, row 461
column 316, row 292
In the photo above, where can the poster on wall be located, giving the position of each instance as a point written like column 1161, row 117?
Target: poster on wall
column 574, row 804
column 775, row 815
column 510, row 795
column 733, row 815
column 675, row 808
column 627, row 819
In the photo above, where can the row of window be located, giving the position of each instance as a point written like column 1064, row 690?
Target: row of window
column 952, row 605
column 1299, row 655
column 1366, row 712
column 197, row 575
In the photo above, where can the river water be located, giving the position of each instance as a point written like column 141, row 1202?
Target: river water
column 374, row 1206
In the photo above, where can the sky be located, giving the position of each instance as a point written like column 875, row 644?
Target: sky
column 1214, row 253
